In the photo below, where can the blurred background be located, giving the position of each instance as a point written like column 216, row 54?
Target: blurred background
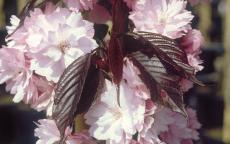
column 212, row 101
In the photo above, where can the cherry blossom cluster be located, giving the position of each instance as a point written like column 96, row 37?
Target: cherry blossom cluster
column 38, row 50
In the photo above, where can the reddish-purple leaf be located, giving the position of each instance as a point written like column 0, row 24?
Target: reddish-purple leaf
column 69, row 91
column 156, row 78
column 166, row 49
column 115, row 57
column 92, row 88
column 162, row 64
column 120, row 13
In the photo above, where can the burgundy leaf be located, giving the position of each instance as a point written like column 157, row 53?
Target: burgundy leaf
column 69, row 91
column 172, row 57
column 170, row 47
column 120, row 14
column 156, row 78
column 31, row 4
column 93, row 85
column 162, row 64
column 115, row 58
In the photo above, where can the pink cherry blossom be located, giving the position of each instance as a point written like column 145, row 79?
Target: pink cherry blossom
column 48, row 133
column 179, row 128
column 78, row 5
column 21, row 81
column 193, row 123
column 146, row 135
column 150, row 109
column 171, row 127
column 166, row 17
column 13, row 66
column 195, row 61
column 14, row 21
column 192, row 41
column 42, row 36
column 20, row 39
column 162, row 118
column 131, row 76
column 177, row 131
column 70, row 38
column 54, row 40
column 41, row 97
column 125, row 112
column 14, row 70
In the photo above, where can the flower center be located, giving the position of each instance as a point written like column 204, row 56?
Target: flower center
column 162, row 18
column 64, row 45
column 116, row 111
